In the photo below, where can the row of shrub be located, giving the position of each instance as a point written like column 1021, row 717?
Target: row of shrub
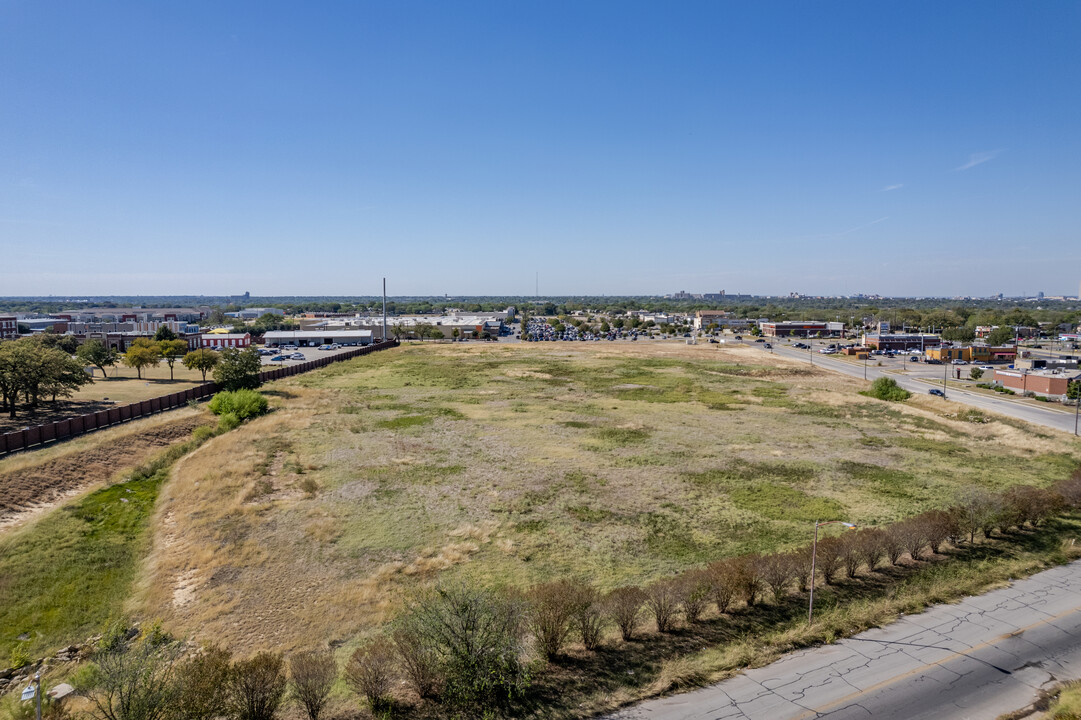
column 472, row 651
column 467, row 647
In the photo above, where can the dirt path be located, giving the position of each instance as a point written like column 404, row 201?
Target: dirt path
column 28, row 490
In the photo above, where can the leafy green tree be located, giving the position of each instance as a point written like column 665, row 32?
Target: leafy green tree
column 203, row 360
column 1001, row 336
column 172, row 350
column 142, row 353
column 67, row 343
column 95, row 354
column 1073, row 390
column 959, row 334
column 238, row 369
column 31, row 369
column 164, row 333
column 975, row 373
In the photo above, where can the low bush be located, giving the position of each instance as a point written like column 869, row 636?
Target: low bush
column 257, row 686
column 662, row 599
column 370, row 673
column 202, row 684
column 242, row 403
column 476, row 636
column 588, row 615
column 886, row 388
column 624, row 605
column 551, row 614
column 313, row 674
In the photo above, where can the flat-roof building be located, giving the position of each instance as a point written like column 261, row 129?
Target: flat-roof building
column 794, row 329
column 901, row 341
column 225, row 340
column 313, row 338
column 1050, row 383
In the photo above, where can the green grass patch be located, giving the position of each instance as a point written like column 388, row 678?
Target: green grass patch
column 620, row 437
column 781, row 502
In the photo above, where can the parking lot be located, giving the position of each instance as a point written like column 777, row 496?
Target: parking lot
column 309, row 353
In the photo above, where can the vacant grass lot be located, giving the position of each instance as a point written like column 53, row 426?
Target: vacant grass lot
column 516, row 464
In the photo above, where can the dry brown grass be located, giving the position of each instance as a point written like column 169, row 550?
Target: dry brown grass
column 516, row 464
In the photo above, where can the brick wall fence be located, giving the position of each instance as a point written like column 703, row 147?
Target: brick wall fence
column 72, row 427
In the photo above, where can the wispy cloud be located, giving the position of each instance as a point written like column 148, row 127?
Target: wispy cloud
column 898, row 186
column 978, row 159
column 861, row 227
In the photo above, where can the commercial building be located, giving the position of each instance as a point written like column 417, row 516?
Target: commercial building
column 794, row 329
column 254, row 313
column 407, row 325
column 1049, row 383
column 901, row 341
column 9, row 327
column 106, row 314
column 973, row 353
column 225, row 340
column 314, row 338
column 704, row 318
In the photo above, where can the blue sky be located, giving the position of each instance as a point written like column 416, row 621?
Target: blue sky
column 902, row 148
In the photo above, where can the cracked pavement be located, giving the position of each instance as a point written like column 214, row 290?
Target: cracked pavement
column 979, row 658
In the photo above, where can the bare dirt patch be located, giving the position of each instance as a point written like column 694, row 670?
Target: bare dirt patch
column 27, row 489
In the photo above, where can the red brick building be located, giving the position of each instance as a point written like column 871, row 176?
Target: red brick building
column 9, row 327
column 1052, row 383
column 225, row 340
column 794, row 329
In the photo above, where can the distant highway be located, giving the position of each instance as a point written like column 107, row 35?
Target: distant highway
column 1048, row 417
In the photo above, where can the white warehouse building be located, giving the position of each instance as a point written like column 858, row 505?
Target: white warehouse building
column 314, row 338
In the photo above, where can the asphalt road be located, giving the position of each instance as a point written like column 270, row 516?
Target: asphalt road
column 1047, row 417
column 978, row 659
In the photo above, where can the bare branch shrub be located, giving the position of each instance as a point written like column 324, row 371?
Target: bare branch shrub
column 975, row 511
column 419, row 661
column 778, row 571
column 893, row 545
column 662, row 600
column 745, row 578
column 624, row 605
column 830, row 558
column 851, row 558
column 202, row 684
column 1032, row 505
column 134, row 683
column 912, row 535
column 588, row 615
column 722, row 584
column 1070, row 490
column 370, row 671
column 313, row 674
column 551, row 613
column 257, row 686
column 870, row 545
column 694, row 589
column 939, row 527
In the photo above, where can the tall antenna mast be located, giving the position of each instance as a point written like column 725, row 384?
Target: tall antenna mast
column 538, row 285
column 384, row 309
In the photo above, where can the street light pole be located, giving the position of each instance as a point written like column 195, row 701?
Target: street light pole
column 945, row 372
column 814, row 557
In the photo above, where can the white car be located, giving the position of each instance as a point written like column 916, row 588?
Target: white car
column 987, row 367
column 297, row 356
column 958, row 362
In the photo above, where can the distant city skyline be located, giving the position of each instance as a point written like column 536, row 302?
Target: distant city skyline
column 631, row 148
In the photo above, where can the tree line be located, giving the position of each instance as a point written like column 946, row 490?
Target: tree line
column 462, row 650
column 46, row 367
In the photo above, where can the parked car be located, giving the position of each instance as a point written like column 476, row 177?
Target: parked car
column 987, row 367
column 958, row 362
column 936, row 391
column 759, row 340
column 297, row 356
column 768, row 346
column 278, row 358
